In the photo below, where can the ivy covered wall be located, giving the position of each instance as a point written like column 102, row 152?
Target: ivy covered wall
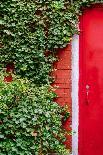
column 31, row 31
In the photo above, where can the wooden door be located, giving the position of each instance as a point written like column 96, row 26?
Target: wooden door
column 91, row 82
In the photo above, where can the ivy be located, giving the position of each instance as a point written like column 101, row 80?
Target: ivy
column 30, row 121
column 30, row 28
column 31, row 31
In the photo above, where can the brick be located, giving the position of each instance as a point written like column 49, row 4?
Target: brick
column 63, row 53
column 63, row 74
column 68, row 47
column 66, row 59
column 60, row 92
column 68, row 142
column 63, row 66
column 60, row 101
column 63, row 80
column 67, row 92
column 67, row 125
column 68, row 100
column 63, row 92
column 64, row 96
column 61, row 85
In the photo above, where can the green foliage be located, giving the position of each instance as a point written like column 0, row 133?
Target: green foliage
column 30, row 121
column 29, row 28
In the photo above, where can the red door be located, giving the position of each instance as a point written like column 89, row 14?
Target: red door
column 91, row 82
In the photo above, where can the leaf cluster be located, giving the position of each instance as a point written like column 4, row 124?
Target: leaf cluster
column 30, row 122
column 28, row 30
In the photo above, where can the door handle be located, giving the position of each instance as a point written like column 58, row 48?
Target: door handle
column 87, row 97
column 87, row 94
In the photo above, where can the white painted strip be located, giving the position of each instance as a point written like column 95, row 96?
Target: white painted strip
column 75, row 104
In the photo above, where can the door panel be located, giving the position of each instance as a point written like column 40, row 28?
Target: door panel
column 91, row 82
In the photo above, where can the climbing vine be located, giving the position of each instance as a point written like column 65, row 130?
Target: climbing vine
column 30, row 122
column 31, row 31
column 30, row 28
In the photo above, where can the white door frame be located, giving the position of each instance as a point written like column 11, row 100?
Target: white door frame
column 75, row 103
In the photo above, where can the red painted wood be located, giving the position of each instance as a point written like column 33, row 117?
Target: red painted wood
column 91, row 73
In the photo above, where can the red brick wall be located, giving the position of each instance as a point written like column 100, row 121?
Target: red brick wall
column 62, row 74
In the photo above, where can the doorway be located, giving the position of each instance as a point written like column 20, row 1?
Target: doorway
column 90, row 139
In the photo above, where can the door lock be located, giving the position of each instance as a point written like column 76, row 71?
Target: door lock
column 87, row 94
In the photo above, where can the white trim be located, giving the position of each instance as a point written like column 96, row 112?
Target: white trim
column 75, row 105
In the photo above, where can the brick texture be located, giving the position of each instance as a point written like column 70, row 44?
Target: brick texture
column 62, row 75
